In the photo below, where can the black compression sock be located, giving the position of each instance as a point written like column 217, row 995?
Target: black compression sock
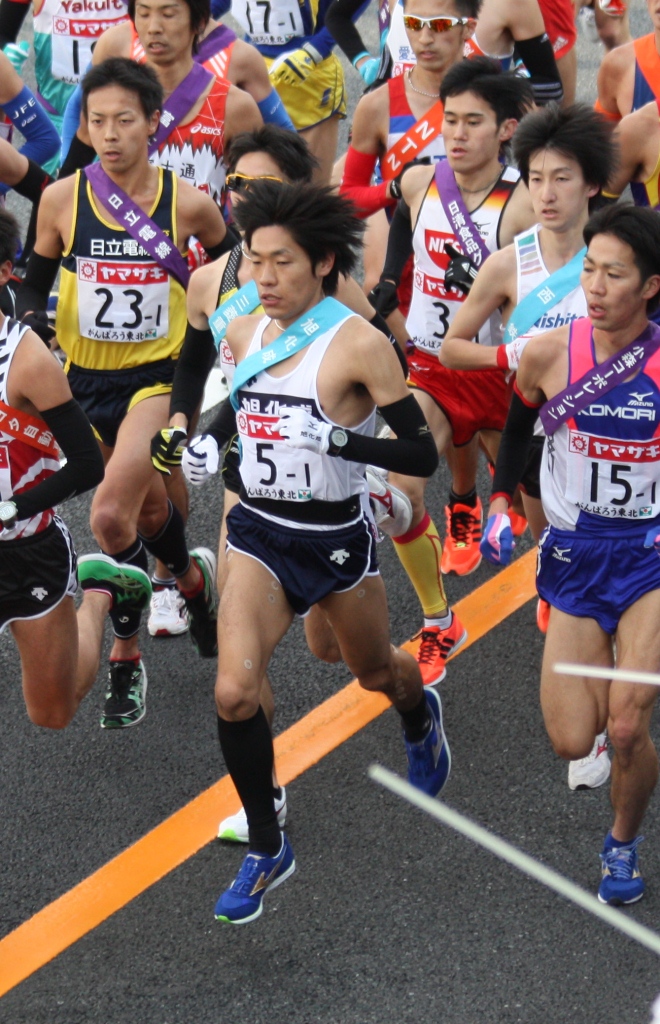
column 469, row 499
column 247, row 748
column 169, row 544
column 417, row 721
column 125, row 624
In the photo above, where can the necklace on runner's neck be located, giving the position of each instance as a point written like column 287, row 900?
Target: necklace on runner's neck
column 431, row 95
column 473, row 191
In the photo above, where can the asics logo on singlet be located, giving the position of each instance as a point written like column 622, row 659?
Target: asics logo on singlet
column 621, row 412
column 340, row 556
column 195, row 128
column 560, row 553
column 547, row 322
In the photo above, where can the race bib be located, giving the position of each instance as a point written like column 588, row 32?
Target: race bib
column 72, row 43
column 611, row 478
column 122, row 301
column 269, row 22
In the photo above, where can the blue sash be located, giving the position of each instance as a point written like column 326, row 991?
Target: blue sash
column 242, row 302
column 548, row 294
column 302, row 332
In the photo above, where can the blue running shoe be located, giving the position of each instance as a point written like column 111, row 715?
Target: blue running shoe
column 622, row 882
column 243, row 900
column 429, row 760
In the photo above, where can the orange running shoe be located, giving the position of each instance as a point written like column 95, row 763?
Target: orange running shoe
column 436, row 646
column 518, row 523
column 460, row 551
column 542, row 615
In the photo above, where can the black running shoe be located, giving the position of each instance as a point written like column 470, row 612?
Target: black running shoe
column 126, row 695
column 203, row 608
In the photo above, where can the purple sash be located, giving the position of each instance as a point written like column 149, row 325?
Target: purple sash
column 601, row 379
column 179, row 103
column 218, row 39
column 138, row 224
column 458, row 214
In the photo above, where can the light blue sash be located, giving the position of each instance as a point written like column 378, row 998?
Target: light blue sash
column 302, row 332
column 242, row 302
column 548, row 294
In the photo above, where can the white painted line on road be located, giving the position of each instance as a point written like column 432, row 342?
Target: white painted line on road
column 522, row 861
column 619, row 675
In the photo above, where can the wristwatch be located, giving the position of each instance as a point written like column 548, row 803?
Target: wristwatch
column 338, row 441
column 8, row 513
column 395, row 188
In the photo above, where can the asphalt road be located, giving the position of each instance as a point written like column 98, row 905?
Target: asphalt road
column 389, row 917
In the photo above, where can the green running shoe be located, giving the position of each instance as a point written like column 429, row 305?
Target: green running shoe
column 126, row 695
column 127, row 586
column 203, row 608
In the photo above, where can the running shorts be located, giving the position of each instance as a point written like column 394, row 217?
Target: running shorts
column 308, row 564
column 559, row 20
column 107, row 395
column 595, row 577
column 319, row 97
column 472, row 400
column 36, row 573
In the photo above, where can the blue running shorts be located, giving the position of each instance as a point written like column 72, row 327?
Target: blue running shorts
column 595, row 578
column 309, row 564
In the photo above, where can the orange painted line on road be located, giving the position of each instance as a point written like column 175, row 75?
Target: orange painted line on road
column 83, row 908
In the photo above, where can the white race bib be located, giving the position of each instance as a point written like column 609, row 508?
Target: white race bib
column 122, row 301
column 72, row 43
column 269, row 22
column 614, row 479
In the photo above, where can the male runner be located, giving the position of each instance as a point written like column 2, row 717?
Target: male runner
column 629, row 76
column 598, row 561
column 121, row 321
column 213, row 110
column 59, row 655
column 273, row 154
column 565, row 158
column 638, row 136
column 482, row 106
column 299, row 535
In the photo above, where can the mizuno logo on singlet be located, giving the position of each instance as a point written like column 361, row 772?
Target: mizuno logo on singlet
column 620, row 412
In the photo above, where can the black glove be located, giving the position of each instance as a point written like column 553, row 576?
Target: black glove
column 167, row 449
column 384, row 297
column 39, row 323
column 461, row 272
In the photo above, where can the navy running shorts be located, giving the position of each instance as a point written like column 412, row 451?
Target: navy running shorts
column 308, row 564
column 107, row 395
column 595, row 577
column 36, row 573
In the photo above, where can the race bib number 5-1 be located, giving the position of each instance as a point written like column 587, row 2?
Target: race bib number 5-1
column 122, row 301
column 269, row 22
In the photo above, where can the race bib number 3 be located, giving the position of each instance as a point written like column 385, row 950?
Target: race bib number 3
column 269, row 22
column 614, row 478
column 122, row 301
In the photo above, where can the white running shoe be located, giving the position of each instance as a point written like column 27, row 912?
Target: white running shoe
column 168, row 615
column 391, row 507
column 592, row 771
column 235, row 828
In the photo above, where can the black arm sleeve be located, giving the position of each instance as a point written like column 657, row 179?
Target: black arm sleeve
column 192, row 369
column 380, row 323
column 514, row 446
column 84, row 466
column 223, row 424
column 339, row 23
column 39, row 279
column 79, row 155
column 413, row 452
column 226, row 245
column 399, row 243
column 538, row 57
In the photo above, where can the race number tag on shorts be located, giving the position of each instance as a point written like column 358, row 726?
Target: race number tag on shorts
column 5, row 474
column 122, row 301
column 72, row 42
column 615, row 479
column 269, row 22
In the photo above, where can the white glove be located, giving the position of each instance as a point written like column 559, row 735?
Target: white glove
column 301, row 430
column 513, row 351
column 200, row 459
